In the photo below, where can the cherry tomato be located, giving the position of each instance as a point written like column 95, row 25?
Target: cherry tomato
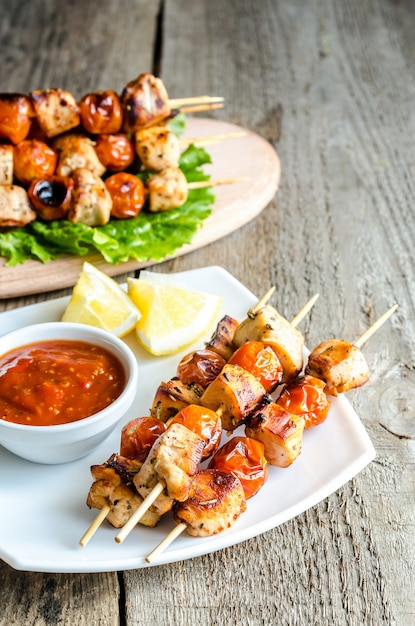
column 244, row 458
column 204, row 422
column 127, row 193
column 51, row 196
column 201, row 367
column 261, row 361
column 33, row 159
column 101, row 112
column 16, row 112
column 306, row 396
column 138, row 436
column 116, row 152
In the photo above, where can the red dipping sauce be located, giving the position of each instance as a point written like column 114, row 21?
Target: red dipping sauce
column 56, row 382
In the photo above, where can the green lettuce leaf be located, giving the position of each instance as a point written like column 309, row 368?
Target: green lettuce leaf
column 149, row 236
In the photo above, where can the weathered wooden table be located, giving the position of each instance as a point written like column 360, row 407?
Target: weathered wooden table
column 331, row 86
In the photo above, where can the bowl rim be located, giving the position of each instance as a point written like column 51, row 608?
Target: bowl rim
column 122, row 351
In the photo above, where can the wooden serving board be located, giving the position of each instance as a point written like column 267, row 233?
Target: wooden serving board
column 248, row 156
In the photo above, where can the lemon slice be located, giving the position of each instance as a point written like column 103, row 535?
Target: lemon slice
column 173, row 317
column 98, row 300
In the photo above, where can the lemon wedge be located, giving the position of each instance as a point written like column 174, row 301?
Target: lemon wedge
column 98, row 300
column 173, row 317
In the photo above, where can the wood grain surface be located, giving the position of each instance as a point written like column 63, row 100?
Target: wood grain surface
column 248, row 159
column 330, row 86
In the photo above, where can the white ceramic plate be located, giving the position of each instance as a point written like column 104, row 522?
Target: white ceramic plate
column 44, row 512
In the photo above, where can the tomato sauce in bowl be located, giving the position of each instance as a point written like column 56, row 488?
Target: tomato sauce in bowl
column 55, row 382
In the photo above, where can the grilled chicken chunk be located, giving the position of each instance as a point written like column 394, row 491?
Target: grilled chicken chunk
column 91, row 200
column 113, row 485
column 145, row 102
column 15, row 209
column 221, row 341
column 215, row 503
column 234, row 394
column 173, row 396
column 167, row 189
column 173, row 460
column 76, row 151
column 157, row 148
column 56, row 111
column 274, row 330
column 340, row 364
column 281, row 433
column 6, row 164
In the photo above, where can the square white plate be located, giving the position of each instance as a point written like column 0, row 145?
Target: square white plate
column 44, row 512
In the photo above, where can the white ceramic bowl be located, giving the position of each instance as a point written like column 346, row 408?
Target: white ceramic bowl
column 68, row 442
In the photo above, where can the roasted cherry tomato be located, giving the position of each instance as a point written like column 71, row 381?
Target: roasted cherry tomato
column 201, row 367
column 127, row 193
column 306, row 396
column 51, row 196
column 204, row 422
column 101, row 112
column 244, row 458
column 16, row 112
column 261, row 361
column 138, row 436
column 116, row 151
column 33, row 159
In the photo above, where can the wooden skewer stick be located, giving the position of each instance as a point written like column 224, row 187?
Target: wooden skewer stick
column 208, row 139
column 174, row 103
column 262, row 302
column 177, row 530
column 304, row 311
column 375, row 327
column 201, row 184
column 196, row 108
column 138, row 513
column 96, row 523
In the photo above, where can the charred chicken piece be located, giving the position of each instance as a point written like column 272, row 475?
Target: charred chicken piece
column 281, row 433
column 16, row 113
column 340, row 364
column 268, row 326
column 6, row 164
column 215, row 503
column 91, row 201
column 75, row 152
column 15, row 209
column 157, row 148
column 113, row 486
column 234, row 394
column 173, row 461
column 167, row 189
column 222, row 339
column 173, row 396
column 56, row 111
column 145, row 102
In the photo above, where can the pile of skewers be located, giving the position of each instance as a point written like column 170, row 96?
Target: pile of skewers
column 252, row 374
column 63, row 159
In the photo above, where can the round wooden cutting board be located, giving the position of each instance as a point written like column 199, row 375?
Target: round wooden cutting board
column 247, row 156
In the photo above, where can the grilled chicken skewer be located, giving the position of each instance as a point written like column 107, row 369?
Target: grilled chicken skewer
column 114, row 494
column 341, row 364
column 113, row 481
column 215, row 503
column 167, row 473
